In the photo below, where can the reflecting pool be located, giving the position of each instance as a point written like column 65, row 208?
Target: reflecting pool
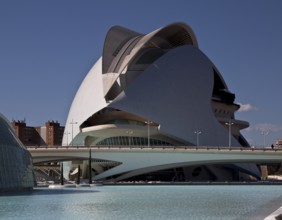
column 143, row 202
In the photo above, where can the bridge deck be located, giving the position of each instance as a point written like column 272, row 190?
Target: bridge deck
column 203, row 148
column 138, row 159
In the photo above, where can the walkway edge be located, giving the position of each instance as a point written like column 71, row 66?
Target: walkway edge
column 275, row 215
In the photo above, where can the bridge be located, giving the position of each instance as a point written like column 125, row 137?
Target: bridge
column 138, row 160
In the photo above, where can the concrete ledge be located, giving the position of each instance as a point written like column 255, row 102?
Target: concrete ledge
column 276, row 215
column 158, row 183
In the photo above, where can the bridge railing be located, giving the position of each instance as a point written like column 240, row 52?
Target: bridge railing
column 117, row 147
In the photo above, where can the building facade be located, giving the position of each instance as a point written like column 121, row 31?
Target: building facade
column 54, row 133
column 15, row 161
column 51, row 134
column 157, row 89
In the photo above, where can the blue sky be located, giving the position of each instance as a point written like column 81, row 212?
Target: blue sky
column 47, row 48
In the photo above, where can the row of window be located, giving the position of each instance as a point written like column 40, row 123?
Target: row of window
column 219, row 111
column 131, row 141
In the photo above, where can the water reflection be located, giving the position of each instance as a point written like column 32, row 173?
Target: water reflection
column 144, row 202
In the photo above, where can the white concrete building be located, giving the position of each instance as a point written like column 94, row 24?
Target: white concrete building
column 157, row 89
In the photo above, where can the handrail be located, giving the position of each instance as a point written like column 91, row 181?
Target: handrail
column 118, row 147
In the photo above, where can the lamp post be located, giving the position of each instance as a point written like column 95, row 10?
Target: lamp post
column 197, row 134
column 229, row 129
column 72, row 123
column 67, row 133
column 148, row 123
column 264, row 133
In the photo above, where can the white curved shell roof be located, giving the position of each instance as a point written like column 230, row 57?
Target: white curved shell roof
column 175, row 91
column 88, row 99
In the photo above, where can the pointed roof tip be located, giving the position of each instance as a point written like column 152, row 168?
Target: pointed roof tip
column 117, row 37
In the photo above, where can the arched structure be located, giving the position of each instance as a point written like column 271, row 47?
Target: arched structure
column 154, row 89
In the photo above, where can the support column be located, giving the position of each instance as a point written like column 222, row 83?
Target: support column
column 264, row 172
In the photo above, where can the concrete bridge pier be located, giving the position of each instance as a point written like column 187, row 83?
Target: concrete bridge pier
column 84, row 169
column 264, row 172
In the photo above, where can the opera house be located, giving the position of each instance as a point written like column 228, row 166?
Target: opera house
column 16, row 172
column 157, row 89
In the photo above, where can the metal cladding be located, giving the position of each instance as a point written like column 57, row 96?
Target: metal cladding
column 154, row 89
column 162, row 77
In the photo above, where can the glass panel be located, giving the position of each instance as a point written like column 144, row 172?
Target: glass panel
column 130, row 141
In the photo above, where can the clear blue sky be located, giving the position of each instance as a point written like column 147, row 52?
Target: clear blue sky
column 47, row 48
